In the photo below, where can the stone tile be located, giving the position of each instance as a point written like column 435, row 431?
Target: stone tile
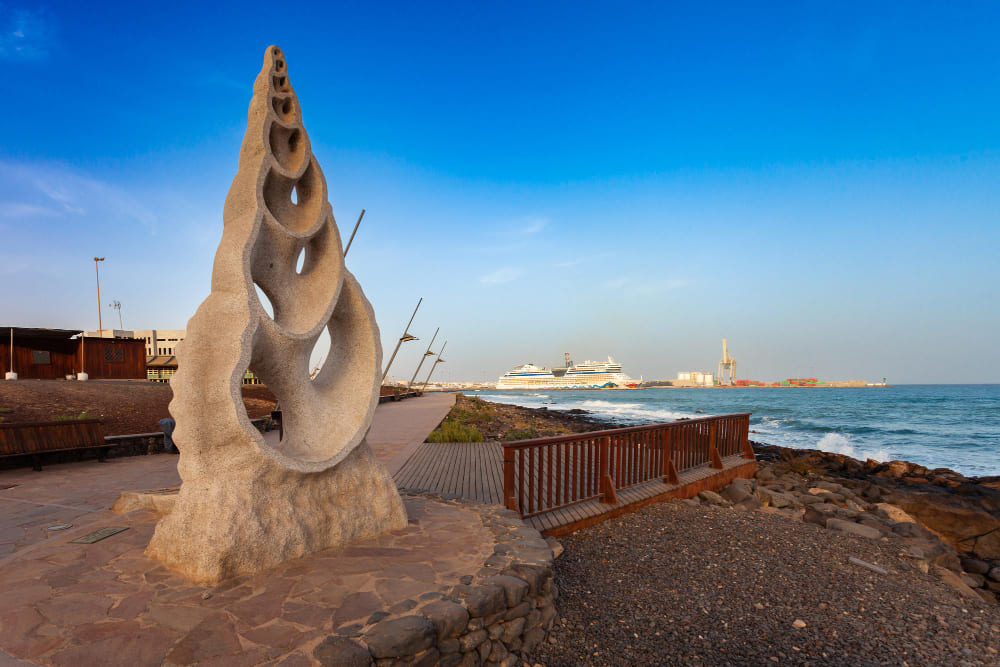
column 145, row 646
column 182, row 618
column 214, row 636
column 310, row 615
column 277, row 634
column 356, row 606
column 93, row 632
column 132, row 605
column 258, row 610
column 77, row 609
column 23, row 594
column 395, row 590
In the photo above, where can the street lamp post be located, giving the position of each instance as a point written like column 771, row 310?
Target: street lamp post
column 97, row 273
column 117, row 305
column 402, row 339
column 356, row 225
column 437, row 361
column 426, row 354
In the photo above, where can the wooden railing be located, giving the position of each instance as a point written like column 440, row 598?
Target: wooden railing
column 547, row 474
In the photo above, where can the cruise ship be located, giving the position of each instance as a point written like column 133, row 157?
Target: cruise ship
column 588, row 375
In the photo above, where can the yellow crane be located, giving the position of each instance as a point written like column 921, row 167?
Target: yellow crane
column 727, row 363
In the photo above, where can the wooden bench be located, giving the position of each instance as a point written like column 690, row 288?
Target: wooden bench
column 36, row 438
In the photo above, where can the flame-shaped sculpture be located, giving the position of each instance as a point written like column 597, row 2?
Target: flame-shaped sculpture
column 245, row 504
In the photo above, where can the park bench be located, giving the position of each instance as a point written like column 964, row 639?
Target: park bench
column 36, row 438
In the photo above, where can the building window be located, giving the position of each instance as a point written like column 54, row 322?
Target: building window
column 40, row 357
column 114, row 354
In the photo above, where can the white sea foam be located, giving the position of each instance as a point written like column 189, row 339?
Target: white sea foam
column 837, row 443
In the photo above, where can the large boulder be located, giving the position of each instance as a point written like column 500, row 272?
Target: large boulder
column 968, row 530
column 776, row 499
column 852, row 528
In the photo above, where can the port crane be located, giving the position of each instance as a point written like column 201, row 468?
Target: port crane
column 727, row 363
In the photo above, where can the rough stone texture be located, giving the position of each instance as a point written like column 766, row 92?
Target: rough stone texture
column 342, row 652
column 74, row 603
column 853, row 528
column 400, row 637
column 246, row 505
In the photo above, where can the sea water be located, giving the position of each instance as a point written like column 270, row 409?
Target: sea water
column 938, row 426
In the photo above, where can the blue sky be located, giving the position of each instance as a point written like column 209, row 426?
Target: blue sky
column 817, row 182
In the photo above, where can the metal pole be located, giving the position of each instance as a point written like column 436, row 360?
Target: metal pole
column 12, row 349
column 428, row 353
column 401, row 339
column 356, row 225
column 433, row 366
column 97, row 273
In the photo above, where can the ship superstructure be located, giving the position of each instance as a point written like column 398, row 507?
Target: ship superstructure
column 587, row 375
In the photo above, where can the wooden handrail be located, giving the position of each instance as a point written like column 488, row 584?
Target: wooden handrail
column 517, row 444
column 549, row 474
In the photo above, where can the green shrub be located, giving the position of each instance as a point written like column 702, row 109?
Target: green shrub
column 71, row 417
column 520, row 434
column 453, row 431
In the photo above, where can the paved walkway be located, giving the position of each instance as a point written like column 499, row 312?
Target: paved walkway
column 81, row 493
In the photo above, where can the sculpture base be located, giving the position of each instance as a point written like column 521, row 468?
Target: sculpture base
column 254, row 517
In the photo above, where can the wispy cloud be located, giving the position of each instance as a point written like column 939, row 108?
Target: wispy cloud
column 55, row 191
column 502, row 275
column 21, row 211
column 642, row 285
column 534, row 225
column 24, row 34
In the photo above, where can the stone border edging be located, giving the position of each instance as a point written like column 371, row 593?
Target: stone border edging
column 494, row 616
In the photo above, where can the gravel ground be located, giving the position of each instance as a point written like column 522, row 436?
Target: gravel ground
column 675, row 584
column 126, row 406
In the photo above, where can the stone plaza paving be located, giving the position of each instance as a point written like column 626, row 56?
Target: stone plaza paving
column 461, row 584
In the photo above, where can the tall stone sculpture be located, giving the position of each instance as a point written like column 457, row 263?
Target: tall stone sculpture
column 245, row 504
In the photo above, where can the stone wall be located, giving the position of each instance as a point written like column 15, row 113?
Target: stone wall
column 494, row 616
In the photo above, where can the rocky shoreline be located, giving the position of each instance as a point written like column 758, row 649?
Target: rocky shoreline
column 947, row 523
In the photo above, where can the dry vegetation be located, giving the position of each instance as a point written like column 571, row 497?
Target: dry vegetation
column 474, row 420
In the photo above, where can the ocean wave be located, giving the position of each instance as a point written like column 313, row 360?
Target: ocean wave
column 837, row 443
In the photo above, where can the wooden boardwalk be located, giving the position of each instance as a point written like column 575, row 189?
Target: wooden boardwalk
column 470, row 470
column 474, row 471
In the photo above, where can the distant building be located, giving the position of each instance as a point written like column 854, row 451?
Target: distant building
column 694, row 379
column 161, row 351
column 55, row 354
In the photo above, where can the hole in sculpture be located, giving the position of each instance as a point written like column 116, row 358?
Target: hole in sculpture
column 317, row 358
column 301, row 261
column 281, row 83
column 283, row 107
column 279, row 65
column 264, row 301
column 302, row 209
column 288, row 145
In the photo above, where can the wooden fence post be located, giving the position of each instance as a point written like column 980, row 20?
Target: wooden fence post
column 608, row 494
column 713, row 450
column 670, row 475
column 509, row 494
column 745, row 436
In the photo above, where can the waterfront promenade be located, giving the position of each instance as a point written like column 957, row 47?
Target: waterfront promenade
column 81, row 493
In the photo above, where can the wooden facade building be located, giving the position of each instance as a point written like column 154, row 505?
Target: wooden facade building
column 52, row 354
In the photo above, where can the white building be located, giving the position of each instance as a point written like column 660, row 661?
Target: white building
column 695, row 378
column 159, row 342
